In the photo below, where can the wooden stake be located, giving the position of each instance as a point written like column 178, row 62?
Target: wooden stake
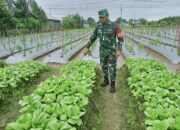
column 179, row 44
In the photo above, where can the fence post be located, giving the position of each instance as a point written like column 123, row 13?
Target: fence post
column 62, row 54
column 86, row 36
column 179, row 43
column 71, row 40
column 9, row 43
column 24, row 45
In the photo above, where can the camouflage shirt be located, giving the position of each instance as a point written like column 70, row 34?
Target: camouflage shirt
column 107, row 33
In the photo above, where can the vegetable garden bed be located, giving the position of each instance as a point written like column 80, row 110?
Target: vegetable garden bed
column 59, row 102
column 2, row 64
column 65, row 53
column 131, row 50
column 169, row 52
column 19, row 75
column 157, row 92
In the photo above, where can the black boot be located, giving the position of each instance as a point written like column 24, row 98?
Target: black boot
column 112, row 89
column 105, row 82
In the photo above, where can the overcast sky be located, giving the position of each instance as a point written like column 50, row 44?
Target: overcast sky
column 149, row 9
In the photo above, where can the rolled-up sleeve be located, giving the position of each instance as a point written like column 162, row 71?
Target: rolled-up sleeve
column 92, row 38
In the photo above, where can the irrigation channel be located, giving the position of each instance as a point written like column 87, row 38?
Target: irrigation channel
column 105, row 111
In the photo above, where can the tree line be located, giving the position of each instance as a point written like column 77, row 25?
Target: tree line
column 27, row 15
column 21, row 15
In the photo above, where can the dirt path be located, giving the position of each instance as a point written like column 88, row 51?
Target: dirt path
column 111, row 112
column 112, row 105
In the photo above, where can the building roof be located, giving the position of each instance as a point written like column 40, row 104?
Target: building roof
column 50, row 17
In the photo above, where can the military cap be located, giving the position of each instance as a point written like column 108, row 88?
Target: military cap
column 103, row 13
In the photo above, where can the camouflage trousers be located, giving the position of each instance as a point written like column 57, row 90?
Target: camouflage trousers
column 108, row 61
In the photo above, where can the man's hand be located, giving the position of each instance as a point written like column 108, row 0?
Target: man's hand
column 118, row 53
column 86, row 50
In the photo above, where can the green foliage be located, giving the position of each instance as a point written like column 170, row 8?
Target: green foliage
column 59, row 102
column 159, row 88
column 2, row 64
column 21, row 9
column 91, row 22
column 38, row 12
column 29, row 24
column 154, row 42
column 21, row 15
column 72, row 22
column 129, row 48
column 7, row 20
column 119, row 20
column 169, row 21
column 164, row 22
column 31, row 16
column 140, row 45
column 18, row 75
column 142, row 21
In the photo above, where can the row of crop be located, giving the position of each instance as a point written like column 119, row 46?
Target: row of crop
column 2, row 64
column 19, row 75
column 33, row 40
column 66, row 52
column 59, row 102
column 159, row 41
column 66, row 45
column 169, row 52
column 131, row 50
column 160, row 90
column 38, row 42
column 170, row 34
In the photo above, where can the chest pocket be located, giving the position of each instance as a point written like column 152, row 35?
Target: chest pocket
column 110, row 32
column 105, row 34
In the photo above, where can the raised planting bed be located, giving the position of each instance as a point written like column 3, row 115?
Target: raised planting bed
column 19, row 75
column 65, row 53
column 131, row 50
column 168, row 52
column 59, row 103
column 156, row 91
column 2, row 64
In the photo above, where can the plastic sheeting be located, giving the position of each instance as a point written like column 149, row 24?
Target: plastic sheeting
column 137, row 52
column 162, row 40
column 31, row 54
column 168, row 52
column 55, row 57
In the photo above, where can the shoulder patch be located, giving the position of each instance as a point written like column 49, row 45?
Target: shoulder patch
column 113, row 26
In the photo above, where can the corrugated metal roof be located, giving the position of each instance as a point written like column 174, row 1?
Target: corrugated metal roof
column 50, row 17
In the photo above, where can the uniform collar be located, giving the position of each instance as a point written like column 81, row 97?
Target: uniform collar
column 106, row 22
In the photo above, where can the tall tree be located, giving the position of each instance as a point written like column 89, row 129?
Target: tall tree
column 142, row 21
column 37, row 11
column 7, row 21
column 72, row 21
column 91, row 21
column 21, row 9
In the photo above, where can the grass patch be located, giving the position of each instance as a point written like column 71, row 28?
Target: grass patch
column 131, row 109
column 92, row 120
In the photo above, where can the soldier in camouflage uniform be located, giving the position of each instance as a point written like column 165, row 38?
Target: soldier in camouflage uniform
column 107, row 31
